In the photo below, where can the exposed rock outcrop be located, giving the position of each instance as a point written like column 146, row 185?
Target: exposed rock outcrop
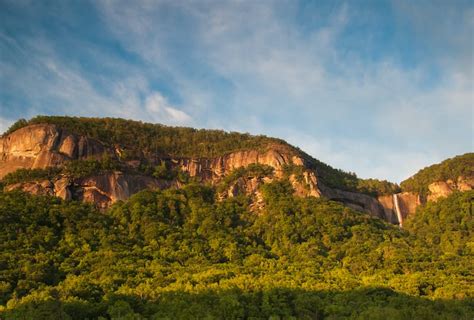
column 106, row 189
column 307, row 185
column 304, row 186
column 213, row 169
column 442, row 189
column 62, row 188
column 357, row 201
column 102, row 190
column 43, row 188
column 44, row 145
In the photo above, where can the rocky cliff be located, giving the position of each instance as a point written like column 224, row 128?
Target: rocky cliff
column 409, row 201
column 44, row 145
column 47, row 145
column 442, row 189
column 102, row 190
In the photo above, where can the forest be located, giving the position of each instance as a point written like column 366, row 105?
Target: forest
column 189, row 254
column 180, row 254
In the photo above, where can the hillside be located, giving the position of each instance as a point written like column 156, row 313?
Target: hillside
column 179, row 254
column 142, row 141
column 117, row 219
column 105, row 160
column 456, row 173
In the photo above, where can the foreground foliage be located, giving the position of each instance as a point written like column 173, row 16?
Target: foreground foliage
column 179, row 254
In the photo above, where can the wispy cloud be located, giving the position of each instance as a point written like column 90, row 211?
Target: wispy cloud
column 355, row 93
column 54, row 85
column 280, row 76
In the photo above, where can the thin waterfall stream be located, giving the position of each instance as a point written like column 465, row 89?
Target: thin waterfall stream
column 397, row 210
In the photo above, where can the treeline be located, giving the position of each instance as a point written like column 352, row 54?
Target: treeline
column 349, row 181
column 450, row 169
column 180, row 254
column 72, row 169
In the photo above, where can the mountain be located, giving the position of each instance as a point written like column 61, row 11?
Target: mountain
column 104, row 160
column 440, row 180
column 116, row 219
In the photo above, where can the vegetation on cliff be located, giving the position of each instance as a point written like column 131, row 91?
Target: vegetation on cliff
column 73, row 169
column 20, row 123
column 179, row 254
column 254, row 170
column 450, row 169
column 27, row 175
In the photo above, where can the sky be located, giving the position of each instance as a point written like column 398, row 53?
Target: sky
column 379, row 88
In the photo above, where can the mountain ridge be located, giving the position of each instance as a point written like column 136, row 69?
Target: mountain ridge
column 133, row 156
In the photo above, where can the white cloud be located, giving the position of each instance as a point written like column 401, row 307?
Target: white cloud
column 160, row 110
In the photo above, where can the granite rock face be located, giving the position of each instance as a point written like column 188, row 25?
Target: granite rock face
column 213, row 169
column 442, row 189
column 357, row 201
column 101, row 190
column 43, row 188
column 44, row 145
column 104, row 190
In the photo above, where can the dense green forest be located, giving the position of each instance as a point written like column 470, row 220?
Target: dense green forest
column 138, row 139
column 449, row 169
column 180, row 254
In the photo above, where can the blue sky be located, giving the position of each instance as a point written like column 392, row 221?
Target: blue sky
column 380, row 88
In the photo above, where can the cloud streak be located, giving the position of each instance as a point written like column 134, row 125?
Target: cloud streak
column 53, row 85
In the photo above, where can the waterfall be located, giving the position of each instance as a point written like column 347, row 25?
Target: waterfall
column 397, row 210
